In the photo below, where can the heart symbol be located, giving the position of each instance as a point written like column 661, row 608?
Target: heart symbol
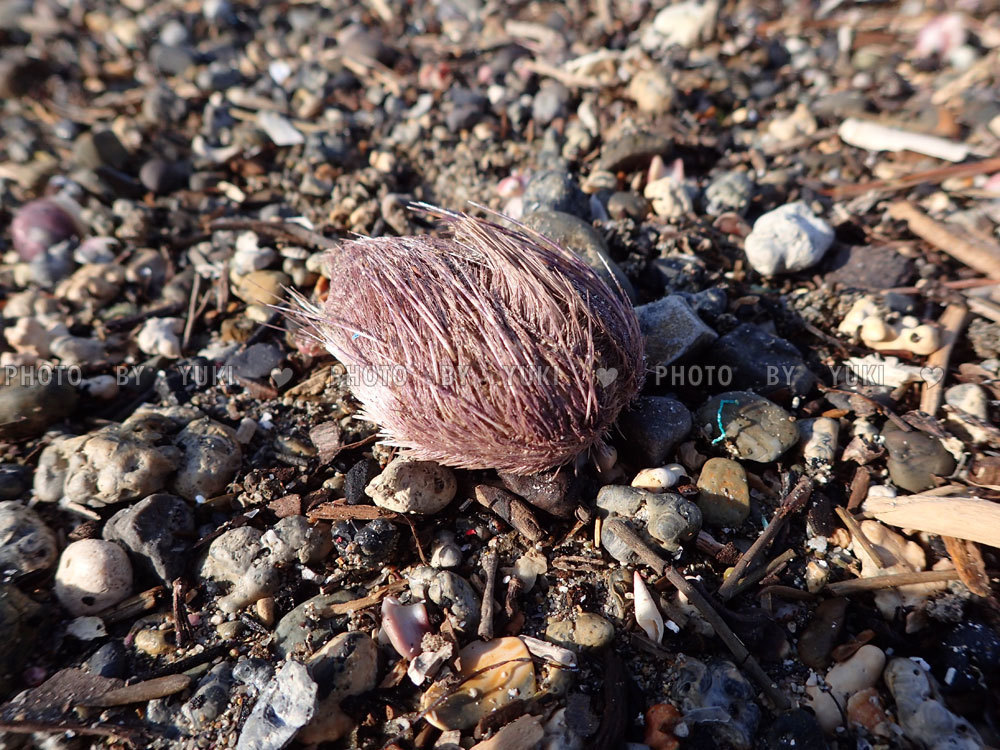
column 932, row 375
column 606, row 375
column 280, row 377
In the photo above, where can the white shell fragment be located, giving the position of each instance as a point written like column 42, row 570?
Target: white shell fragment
column 875, row 137
column 646, row 614
column 659, row 479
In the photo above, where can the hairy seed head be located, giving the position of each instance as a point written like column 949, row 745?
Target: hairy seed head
column 487, row 349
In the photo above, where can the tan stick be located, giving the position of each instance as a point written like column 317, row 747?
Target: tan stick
column 890, row 581
column 952, row 323
column 926, row 177
column 859, row 536
column 982, row 257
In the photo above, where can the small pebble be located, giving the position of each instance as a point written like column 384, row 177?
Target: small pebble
column 672, row 330
column 723, row 494
column 659, row 479
column 153, row 642
column 755, row 429
column 859, row 672
column 915, row 459
column 788, row 239
column 93, row 575
column 652, row 91
column 407, row 486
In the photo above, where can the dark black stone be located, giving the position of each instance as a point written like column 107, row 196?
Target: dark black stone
column 15, row 481
column 256, row 361
column 556, row 191
column 972, row 650
column 762, row 362
column 158, row 531
column 357, row 478
column 110, row 660
column 861, row 267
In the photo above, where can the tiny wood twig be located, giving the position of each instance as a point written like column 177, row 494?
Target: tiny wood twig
column 952, row 323
column 882, row 408
column 793, row 502
column 890, row 581
column 859, row 536
column 762, row 572
column 182, row 629
column 979, row 256
column 744, row 658
column 490, row 561
column 925, row 177
column 286, row 230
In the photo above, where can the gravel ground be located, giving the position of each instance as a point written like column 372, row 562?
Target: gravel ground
column 790, row 537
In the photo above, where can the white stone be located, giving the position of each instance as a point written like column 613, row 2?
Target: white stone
column 670, row 198
column 659, row 479
column 159, row 336
column 859, row 672
column 788, row 239
column 924, row 717
column 87, row 628
column 93, row 575
column 100, row 386
column 279, row 129
column 249, row 256
column 685, row 24
column 819, row 439
column 407, row 486
column 35, row 335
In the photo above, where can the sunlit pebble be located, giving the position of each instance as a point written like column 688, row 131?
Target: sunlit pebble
column 659, row 479
column 39, row 225
column 265, row 421
column 194, row 619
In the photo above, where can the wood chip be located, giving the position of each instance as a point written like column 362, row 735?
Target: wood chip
column 945, row 510
column 344, row 608
column 327, row 438
column 976, row 254
column 337, row 511
column 969, row 563
column 141, row 692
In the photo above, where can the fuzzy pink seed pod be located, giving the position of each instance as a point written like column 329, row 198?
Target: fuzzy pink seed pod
column 489, row 348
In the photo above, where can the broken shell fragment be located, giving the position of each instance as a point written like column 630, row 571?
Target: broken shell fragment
column 404, row 626
column 646, row 613
column 497, row 672
column 659, row 479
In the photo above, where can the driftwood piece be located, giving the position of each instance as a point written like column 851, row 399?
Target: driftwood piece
column 947, row 511
column 981, row 256
column 952, row 323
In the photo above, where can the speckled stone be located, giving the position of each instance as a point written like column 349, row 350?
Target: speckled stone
column 724, row 498
column 756, row 429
